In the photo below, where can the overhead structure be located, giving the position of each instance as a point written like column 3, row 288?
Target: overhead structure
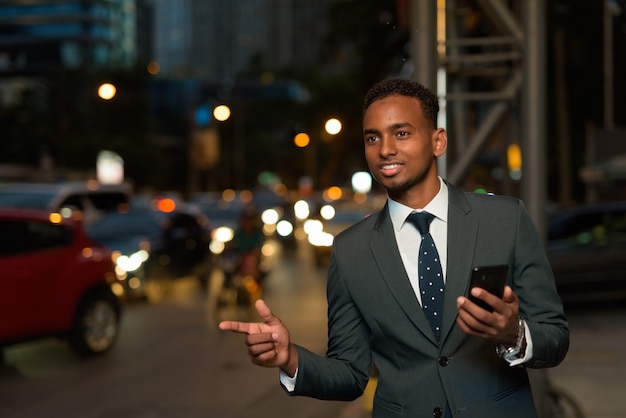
column 493, row 54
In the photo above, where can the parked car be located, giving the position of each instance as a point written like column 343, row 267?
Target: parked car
column 56, row 281
column 587, row 250
column 90, row 197
column 155, row 244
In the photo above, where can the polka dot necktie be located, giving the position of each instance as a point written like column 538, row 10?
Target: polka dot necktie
column 429, row 272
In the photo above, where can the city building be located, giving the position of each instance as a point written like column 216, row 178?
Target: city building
column 215, row 40
column 37, row 36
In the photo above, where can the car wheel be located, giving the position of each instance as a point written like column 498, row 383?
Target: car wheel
column 96, row 324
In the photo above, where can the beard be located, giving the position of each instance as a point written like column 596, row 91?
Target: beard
column 397, row 187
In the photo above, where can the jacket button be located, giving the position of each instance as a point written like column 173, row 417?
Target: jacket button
column 443, row 361
column 437, row 412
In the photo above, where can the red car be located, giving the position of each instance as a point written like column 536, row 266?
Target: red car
column 55, row 281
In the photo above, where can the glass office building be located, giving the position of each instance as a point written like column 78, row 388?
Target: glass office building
column 38, row 35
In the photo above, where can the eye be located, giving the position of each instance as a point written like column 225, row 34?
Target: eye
column 402, row 134
column 370, row 139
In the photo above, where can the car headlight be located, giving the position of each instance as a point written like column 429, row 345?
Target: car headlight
column 284, row 228
column 132, row 262
column 223, row 234
column 327, row 212
column 313, row 226
column 270, row 216
column 321, row 239
column 216, row 247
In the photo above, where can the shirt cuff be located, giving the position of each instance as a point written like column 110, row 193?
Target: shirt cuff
column 528, row 353
column 289, row 383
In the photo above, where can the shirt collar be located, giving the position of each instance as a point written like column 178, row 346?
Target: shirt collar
column 438, row 207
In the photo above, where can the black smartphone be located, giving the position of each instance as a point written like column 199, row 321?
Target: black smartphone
column 490, row 278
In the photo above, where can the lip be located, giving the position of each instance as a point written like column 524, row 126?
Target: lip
column 389, row 169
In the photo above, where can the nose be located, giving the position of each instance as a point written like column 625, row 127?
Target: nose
column 387, row 146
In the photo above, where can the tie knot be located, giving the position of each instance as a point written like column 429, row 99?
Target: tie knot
column 421, row 220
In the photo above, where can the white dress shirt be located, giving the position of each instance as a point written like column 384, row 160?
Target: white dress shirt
column 407, row 235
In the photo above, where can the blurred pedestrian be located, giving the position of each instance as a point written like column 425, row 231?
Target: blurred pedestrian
column 241, row 260
column 450, row 358
column 248, row 235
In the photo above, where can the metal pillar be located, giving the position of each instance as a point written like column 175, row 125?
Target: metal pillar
column 534, row 126
column 424, row 42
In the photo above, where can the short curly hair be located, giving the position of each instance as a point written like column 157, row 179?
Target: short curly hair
column 404, row 87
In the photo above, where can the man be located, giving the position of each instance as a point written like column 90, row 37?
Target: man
column 471, row 363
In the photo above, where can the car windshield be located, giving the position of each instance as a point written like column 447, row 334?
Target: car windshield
column 136, row 223
column 16, row 199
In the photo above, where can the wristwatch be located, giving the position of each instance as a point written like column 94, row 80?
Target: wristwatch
column 513, row 352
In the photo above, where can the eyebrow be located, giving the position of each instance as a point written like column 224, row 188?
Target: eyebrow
column 370, row 131
column 393, row 126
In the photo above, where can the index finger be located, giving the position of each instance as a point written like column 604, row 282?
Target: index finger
column 235, row 326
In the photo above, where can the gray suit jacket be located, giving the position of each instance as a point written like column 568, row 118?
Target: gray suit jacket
column 374, row 316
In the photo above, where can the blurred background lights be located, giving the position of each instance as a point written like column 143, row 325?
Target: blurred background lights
column 313, row 226
column 110, row 168
column 333, row 193
column 153, row 68
column 301, row 140
column 270, row 216
column 166, row 205
column 284, row 228
column 216, row 247
column 221, row 113
column 229, row 195
column 55, row 218
column 106, row 91
column 268, row 249
column 321, row 239
column 132, row 262
column 514, row 161
column 223, row 234
column 327, row 212
column 301, row 209
column 362, row 182
column 333, row 126
column 246, row 196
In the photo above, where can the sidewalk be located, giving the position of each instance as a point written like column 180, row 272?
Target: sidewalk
column 594, row 371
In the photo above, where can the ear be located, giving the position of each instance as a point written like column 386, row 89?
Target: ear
column 440, row 141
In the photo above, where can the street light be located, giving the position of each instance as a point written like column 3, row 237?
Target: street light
column 301, row 140
column 333, row 126
column 221, row 113
column 106, row 91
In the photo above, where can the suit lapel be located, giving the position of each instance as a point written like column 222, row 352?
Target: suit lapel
column 462, row 233
column 387, row 257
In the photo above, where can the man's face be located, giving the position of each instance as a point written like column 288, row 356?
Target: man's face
column 400, row 144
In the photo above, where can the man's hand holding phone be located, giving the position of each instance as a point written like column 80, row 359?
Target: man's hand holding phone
column 498, row 321
column 490, row 278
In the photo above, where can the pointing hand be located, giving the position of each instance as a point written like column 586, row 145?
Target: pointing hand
column 268, row 342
